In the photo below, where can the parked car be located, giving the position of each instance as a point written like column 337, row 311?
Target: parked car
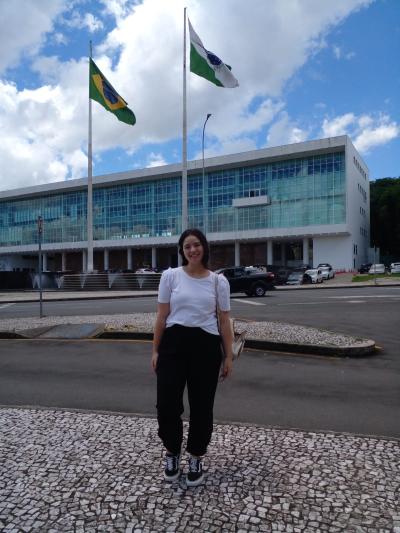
column 298, row 277
column 364, row 268
column 395, row 268
column 315, row 275
column 327, row 270
column 248, row 280
column 377, row 268
column 281, row 275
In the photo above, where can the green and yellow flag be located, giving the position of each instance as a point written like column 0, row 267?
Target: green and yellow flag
column 103, row 92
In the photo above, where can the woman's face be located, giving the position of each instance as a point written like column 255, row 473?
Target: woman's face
column 193, row 250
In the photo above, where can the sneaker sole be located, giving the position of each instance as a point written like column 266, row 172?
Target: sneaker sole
column 172, row 478
column 196, row 482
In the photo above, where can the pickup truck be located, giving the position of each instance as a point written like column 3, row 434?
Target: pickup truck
column 248, row 280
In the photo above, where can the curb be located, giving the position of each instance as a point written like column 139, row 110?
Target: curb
column 76, row 298
column 367, row 347
column 356, row 285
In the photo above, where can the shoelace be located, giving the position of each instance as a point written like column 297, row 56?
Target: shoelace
column 171, row 462
column 194, row 464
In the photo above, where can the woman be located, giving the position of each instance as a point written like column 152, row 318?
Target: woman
column 187, row 351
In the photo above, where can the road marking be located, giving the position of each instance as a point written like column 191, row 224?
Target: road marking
column 356, row 301
column 306, row 303
column 3, row 306
column 396, row 296
column 248, row 302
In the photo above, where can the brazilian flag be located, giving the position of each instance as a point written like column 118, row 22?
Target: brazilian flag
column 104, row 93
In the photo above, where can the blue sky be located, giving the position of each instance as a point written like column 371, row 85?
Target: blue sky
column 307, row 69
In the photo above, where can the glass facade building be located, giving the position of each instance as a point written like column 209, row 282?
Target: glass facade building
column 311, row 196
column 302, row 192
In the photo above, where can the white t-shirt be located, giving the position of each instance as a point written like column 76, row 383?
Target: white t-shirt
column 193, row 300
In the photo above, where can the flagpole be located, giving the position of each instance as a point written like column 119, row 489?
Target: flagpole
column 89, row 187
column 184, row 135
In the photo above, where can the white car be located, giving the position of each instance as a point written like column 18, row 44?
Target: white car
column 395, row 268
column 315, row 275
column 377, row 268
column 327, row 270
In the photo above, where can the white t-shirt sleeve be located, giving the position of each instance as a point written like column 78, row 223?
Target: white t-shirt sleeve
column 165, row 287
column 223, row 293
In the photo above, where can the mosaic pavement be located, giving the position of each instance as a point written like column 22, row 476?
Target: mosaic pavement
column 88, row 472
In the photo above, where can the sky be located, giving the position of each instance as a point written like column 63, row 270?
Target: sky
column 306, row 69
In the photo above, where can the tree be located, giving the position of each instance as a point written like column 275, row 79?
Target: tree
column 385, row 216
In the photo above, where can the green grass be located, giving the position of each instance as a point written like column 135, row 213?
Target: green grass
column 368, row 277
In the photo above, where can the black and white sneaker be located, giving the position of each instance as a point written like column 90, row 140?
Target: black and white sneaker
column 195, row 475
column 171, row 472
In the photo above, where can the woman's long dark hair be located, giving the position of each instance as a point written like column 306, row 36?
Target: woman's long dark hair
column 200, row 235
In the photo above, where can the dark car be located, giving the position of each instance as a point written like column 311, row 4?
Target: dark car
column 364, row 268
column 249, row 280
column 298, row 278
column 281, row 275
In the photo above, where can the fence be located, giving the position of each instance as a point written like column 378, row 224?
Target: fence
column 110, row 281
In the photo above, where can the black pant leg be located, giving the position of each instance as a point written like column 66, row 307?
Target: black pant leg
column 203, row 372
column 171, row 380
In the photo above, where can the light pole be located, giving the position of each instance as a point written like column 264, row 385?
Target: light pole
column 204, row 196
column 40, row 232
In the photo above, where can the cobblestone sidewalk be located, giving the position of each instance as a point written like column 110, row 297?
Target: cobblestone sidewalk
column 87, row 472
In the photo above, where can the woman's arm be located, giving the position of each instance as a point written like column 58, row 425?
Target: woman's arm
column 227, row 339
column 159, row 327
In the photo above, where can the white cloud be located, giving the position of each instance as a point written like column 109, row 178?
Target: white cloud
column 284, row 131
column 23, row 28
column 80, row 21
column 380, row 133
column 337, row 52
column 155, row 160
column 215, row 147
column 366, row 131
column 338, row 125
column 142, row 58
column 60, row 38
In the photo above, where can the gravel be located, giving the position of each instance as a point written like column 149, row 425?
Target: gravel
column 143, row 322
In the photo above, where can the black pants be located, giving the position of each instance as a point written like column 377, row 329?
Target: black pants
column 192, row 357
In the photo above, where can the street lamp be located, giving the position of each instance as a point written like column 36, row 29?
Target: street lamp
column 204, row 211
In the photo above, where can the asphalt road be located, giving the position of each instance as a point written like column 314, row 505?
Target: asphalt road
column 307, row 392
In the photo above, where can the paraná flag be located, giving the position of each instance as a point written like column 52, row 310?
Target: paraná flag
column 104, row 93
column 207, row 65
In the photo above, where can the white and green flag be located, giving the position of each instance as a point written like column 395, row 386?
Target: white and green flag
column 207, row 65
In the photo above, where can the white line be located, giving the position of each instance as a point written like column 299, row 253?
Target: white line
column 396, row 296
column 3, row 306
column 305, row 303
column 248, row 302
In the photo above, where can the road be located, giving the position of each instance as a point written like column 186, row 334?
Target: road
column 307, row 392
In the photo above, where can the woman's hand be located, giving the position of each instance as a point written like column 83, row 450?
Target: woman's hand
column 154, row 359
column 226, row 368
column 159, row 328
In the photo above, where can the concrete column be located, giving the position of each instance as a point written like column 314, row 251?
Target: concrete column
column 153, row 257
column 129, row 258
column 283, row 253
column 84, row 261
column 44, row 261
column 106, row 259
column 306, row 255
column 270, row 253
column 63, row 261
column 237, row 253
